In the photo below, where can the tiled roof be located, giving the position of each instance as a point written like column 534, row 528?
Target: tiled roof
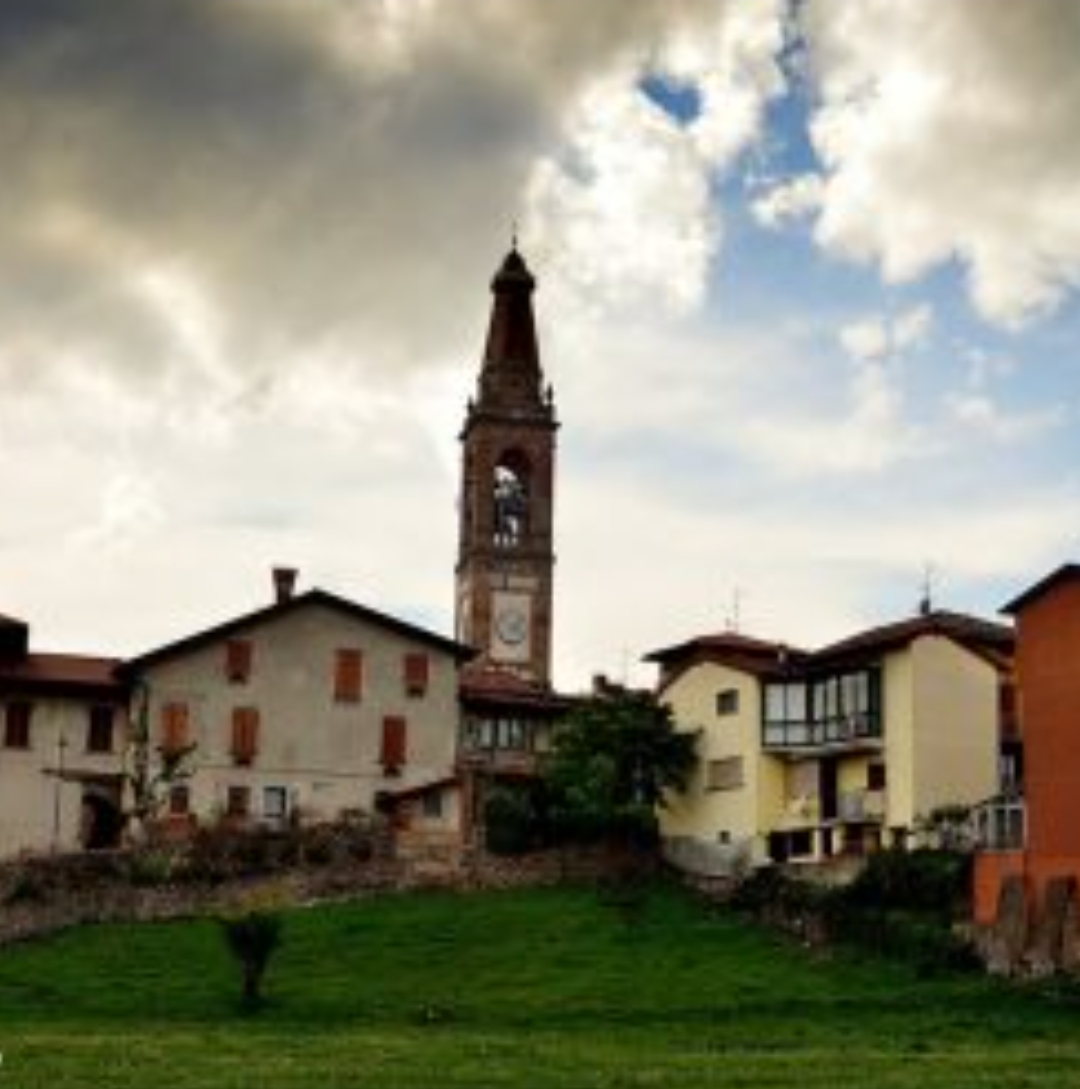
column 41, row 672
column 487, row 687
column 300, row 601
column 969, row 631
column 1065, row 573
column 767, row 659
column 742, row 652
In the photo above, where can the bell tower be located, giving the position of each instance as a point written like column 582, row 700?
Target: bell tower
column 505, row 551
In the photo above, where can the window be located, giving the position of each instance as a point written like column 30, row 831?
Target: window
column 726, row 774
column 179, row 800
column 348, row 675
column 175, row 726
column 99, row 733
column 238, row 661
column 275, row 803
column 17, row 725
column 727, row 701
column 824, row 710
column 875, row 776
column 238, row 801
column 415, row 674
column 786, row 714
column 245, row 734
column 801, row 843
column 392, row 755
column 432, row 804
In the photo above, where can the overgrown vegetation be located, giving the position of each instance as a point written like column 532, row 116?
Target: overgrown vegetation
column 545, row 989
column 902, row 904
column 612, row 761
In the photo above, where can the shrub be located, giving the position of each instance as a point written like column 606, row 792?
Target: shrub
column 150, row 868
column 252, row 938
column 512, row 824
column 928, row 881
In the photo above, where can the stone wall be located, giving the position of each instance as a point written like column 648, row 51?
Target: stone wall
column 44, row 894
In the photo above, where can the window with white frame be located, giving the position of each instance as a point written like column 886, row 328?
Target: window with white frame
column 275, row 805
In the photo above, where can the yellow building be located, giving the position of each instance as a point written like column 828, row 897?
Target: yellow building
column 812, row 756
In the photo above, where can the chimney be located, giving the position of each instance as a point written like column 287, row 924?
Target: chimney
column 284, row 583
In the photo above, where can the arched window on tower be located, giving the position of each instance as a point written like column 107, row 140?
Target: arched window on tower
column 511, row 499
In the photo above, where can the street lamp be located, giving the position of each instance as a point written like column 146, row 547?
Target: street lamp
column 61, row 746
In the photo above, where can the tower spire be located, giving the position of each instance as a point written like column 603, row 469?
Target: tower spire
column 511, row 376
column 505, row 557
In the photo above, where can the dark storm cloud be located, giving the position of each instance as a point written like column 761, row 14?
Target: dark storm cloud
column 318, row 174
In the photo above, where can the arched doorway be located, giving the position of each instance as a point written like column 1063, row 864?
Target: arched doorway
column 102, row 818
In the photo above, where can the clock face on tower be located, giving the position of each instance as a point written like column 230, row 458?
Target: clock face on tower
column 511, row 626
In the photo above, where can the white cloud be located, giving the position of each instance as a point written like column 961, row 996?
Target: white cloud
column 793, row 199
column 623, row 211
column 983, row 415
column 949, row 131
column 881, row 336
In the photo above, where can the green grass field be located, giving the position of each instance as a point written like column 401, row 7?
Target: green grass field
column 539, row 988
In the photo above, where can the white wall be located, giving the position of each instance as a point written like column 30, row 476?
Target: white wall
column 325, row 752
column 30, row 794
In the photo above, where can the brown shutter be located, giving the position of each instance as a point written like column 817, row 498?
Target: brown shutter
column 17, row 728
column 245, row 734
column 393, row 744
column 349, row 675
column 175, row 727
column 416, row 674
column 238, row 660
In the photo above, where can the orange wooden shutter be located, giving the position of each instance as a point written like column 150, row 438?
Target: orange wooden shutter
column 416, row 674
column 238, row 660
column 393, row 743
column 174, row 721
column 245, row 734
column 349, row 675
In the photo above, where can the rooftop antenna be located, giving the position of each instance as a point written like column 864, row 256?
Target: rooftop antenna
column 733, row 621
column 926, row 601
column 514, row 234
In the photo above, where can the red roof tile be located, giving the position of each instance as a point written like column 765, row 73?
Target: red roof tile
column 486, row 687
column 969, row 631
column 42, row 672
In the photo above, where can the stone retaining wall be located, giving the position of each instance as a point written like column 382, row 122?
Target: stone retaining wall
column 39, row 896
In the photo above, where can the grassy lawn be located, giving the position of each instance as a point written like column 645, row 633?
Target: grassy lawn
column 539, row 988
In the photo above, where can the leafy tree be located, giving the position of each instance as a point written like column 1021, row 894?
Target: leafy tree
column 612, row 761
column 149, row 770
column 252, row 938
column 513, row 819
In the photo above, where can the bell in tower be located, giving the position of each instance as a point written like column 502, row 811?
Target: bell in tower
column 505, row 552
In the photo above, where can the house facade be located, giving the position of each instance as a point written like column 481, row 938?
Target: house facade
column 62, row 735
column 814, row 756
column 1032, row 840
column 312, row 707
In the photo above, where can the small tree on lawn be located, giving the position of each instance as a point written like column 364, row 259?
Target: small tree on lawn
column 149, row 770
column 252, row 938
column 612, row 761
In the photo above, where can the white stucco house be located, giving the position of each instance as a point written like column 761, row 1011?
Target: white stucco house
column 310, row 707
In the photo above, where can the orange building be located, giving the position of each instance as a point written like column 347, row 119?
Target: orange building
column 1042, row 847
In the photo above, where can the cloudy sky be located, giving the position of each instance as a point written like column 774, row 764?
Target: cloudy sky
column 808, row 297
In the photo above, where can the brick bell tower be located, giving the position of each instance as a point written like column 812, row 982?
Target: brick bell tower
column 505, row 554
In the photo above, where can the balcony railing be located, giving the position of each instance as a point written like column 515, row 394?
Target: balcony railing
column 847, row 732
column 861, row 805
